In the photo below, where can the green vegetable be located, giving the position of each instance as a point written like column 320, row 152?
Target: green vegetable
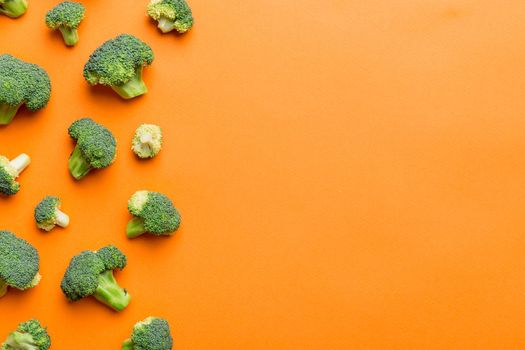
column 29, row 335
column 118, row 63
column 171, row 14
column 151, row 334
column 9, row 172
column 21, row 83
column 13, row 8
column 19, row 263
column 91, row 273
column 96, row 147
column 66, row 17
column 147, row 141
column 48, row 214
column 154, row 213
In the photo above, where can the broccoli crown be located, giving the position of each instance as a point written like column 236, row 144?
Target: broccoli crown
column 19, row 261
column 156, row 209
column 8, row 174
column 152, row 334
column 147, row 141
column 82, row 275
column 22, row 82
column 96, row 142
column 176, row 11
column 66, row 14
column 28, row 335
column 116, row 61
column 45, row 211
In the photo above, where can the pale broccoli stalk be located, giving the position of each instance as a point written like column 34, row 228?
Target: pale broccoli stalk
column 48, row 214
column 9, row 171
column 171, row 15
column 13, row 8
column 29, row 335
column 147, row 141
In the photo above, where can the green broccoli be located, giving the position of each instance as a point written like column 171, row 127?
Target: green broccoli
column 118, row 63
column 9, row 171
column 147, row 141
column 21, row 83
column 48, row 214
column 151, row 334
column 66, row 17
column 171, row 14
column 96, row 147
column 13, row 8
column 29, row 335
column 91, row 273
column 19, row 263
column 154, row 213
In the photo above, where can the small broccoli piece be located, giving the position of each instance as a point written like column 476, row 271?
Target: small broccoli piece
column 153, row 333
column 29, row 335
column 66, row 17
column 9, row 171
column 96, row 147
column 21, row 83
column 91, row 273
column 13, row 8
column 147, row 141
column 171, row 14
column 48, row 214
column 118, row 63
column 19, row 263
column 154, row 213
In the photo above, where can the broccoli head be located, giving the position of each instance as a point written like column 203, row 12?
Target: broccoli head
column 118, row 63
column 29, row 335
column 91, row 273
column 147, row 141
column 96, row 147
column 21, row 83
column 9, row 172
column 48, row 214
column 154, row 213
column 66, row 17
column 153, row 333
column 13, row 8
column 171, row 14
column 19, row 263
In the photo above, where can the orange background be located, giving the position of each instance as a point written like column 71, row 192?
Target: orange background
column 350, row 174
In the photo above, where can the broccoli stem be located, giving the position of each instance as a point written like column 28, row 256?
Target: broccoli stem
column 110, row 293
column 166, row 25
column 78, row 165
column 133, row 88
column 127, row 345
column 70, row 35
column 18, row 340
column 7, row 113
column 20, row 163
column 62, row 218
column 135, row 227
column 13, row 8
column 3, row 288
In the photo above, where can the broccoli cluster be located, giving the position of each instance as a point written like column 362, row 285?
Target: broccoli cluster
column 66, row 17
column 118, row 63
column 13, row 8
column 29, row 335
column 96, row 147
column 153, row 333
column 91, row 273
column 21, row 83
column 147, row 141
column 9, row 172
column 171, row 15
column 154, row 213
column 48, row 214
column 19, row 263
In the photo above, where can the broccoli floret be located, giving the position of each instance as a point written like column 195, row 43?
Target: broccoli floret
column 21, row 83
column 48, row 214
column 13, row 8
column 118, row 63
column 154, row 213
column 29, row 335
column 66, row 17
column 9, row 171
column 91, row 273
column 147, row 141
column 19, row 263
column 96, row 147
column 171, row 14
column 153, row 333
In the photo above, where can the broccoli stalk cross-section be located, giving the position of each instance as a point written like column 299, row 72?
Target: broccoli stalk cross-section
column 29, row 335
column 66, row 17
column 147, row 141
column 13, row 8
column 153, row 333
column 9, row 172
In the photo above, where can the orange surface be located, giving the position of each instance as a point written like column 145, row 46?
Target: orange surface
column 350, row 175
